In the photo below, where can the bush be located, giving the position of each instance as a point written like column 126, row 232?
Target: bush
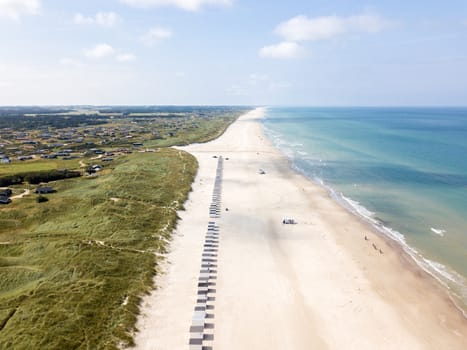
column 37, row 177
column 10, row 180
column 90, row 170
column 41, row 199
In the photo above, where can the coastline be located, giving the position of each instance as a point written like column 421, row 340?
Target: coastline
column 316, row 284
column 449, row 280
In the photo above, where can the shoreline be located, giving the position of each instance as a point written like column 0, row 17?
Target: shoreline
column 320, row 283
column 380, row 228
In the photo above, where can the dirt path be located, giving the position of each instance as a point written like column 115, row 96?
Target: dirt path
column 25, row 193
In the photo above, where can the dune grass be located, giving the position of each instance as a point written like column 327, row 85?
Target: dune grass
column 73, row 269
column 208, row 129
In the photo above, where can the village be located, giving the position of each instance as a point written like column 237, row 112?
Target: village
column 85, row 142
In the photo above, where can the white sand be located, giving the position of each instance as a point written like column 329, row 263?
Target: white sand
column 314, row 285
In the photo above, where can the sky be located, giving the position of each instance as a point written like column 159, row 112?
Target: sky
column 233, row 52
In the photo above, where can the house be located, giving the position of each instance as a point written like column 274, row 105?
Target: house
column 5, row 192
column 49, row 156
column 44, row 190
column 63, row 154
column 96, row 167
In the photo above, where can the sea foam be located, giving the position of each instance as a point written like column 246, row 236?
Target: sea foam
column 437, row 231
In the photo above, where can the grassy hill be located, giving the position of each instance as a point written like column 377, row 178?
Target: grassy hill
column 73, row 269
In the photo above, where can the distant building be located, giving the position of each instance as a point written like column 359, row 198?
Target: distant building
column 49, row 156
column 44, row 190
column 95, row 168
column 5, row 192
column 63, row 154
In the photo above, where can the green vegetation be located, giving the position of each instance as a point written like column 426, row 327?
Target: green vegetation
column 41, row 199
column 206, row 130
column 37, row 165
column 73, row 269
column 36, row 177
column 37, row 121
column 74, row 264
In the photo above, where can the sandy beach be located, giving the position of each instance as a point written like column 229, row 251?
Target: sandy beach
column 318, row 284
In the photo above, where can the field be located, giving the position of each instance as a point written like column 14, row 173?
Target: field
column 38, row 165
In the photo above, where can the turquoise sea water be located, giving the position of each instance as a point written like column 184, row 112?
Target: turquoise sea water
column 403, row 169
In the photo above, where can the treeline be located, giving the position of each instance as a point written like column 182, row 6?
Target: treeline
column 22, row 122
column 33, row 110
column 195, row 110
column 36, row 177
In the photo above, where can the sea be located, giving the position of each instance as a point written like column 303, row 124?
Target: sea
column 403, row 170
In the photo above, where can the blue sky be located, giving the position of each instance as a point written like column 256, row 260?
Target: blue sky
column 295, row 52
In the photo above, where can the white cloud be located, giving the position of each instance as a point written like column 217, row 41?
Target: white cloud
column 154, row 35
column 81, row 19
column 99, row 51
column 107, row 19
column 189, row 5
column 126, row 57
column 301, row 28
column 104, row 19
column 14, row 9
column 283, row 50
